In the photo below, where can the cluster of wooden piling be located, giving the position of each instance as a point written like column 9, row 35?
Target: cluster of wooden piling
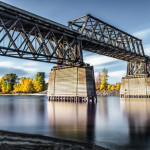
column 72, row 99
column 134, row 96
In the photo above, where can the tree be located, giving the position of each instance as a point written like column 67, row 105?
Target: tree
column 39, row 82
column 113, row 87
column 98, row 81
column 117, row 86
column 7, row 82
column 104, row 79
column 3, row 85
column 109, row 87
column 17, row 88
column 27, row 85
column 103, row 86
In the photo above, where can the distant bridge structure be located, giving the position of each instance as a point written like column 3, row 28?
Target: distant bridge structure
column 28, row 36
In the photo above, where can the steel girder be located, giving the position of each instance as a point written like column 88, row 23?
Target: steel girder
column 112, row 41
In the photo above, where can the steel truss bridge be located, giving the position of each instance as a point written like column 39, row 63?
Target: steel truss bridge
column 28, row 36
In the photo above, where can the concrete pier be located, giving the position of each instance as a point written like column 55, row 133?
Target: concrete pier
column 138, row 87
column 75, row 84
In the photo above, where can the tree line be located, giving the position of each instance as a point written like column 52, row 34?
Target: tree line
column 10, row 83
column 102, row 82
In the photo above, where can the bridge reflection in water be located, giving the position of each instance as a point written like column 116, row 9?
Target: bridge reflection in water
column 137, row 112
column 113, row 123
column 74, row 119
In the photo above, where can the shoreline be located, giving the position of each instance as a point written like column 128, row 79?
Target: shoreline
column 108, row 93
column 23, row 94
column 12, row 140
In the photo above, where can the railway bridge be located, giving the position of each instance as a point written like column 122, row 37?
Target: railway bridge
column 28, row 36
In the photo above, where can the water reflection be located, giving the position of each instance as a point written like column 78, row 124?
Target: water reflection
column 112, row 123
column 137, row 112
column 74, row 119
column 22, row 113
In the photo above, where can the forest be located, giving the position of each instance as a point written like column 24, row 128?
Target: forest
column 102, row 82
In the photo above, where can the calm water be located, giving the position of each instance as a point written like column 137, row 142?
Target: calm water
column 112, row 123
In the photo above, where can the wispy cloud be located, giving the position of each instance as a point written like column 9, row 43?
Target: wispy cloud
column 98, row 60
column 12, row 67
column 30, row 63
column 112, row 65
column 142, row 33
column 147, row 49
column 117, row 74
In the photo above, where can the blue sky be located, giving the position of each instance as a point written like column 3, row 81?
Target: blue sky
column 131, row 16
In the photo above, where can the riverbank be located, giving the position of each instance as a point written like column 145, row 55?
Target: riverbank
column 24, row 94
column 108, row 93
column 14, row 141
column 43, row 93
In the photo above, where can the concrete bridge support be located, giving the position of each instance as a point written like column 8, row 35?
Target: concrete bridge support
column 136, row 84
column 72, row 84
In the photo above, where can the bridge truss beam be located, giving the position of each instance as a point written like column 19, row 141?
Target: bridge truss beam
column 27, row 38
column 112, row 41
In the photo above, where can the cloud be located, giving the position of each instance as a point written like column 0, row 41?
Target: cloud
column 98, row 60
column 143, row 33
column 30, row 63
column 6, row 70
column 147, row 49
column 12, row 67
column 117, row 74
column 112, row 65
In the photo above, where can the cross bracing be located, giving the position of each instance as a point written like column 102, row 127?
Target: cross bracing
column 28, row 36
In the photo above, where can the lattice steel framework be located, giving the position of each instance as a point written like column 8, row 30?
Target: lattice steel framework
column 112, row 41
column 138, row 69
column 28, row 36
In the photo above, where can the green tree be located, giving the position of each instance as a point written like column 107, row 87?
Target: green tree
column 39, row 81
column 7, row 82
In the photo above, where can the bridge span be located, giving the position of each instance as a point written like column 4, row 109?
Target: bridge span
column 28, row 36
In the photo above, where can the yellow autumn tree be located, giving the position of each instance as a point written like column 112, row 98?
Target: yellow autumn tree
column 25, row 85
column 3, row 85
column 117, row 86
column 113, row 87
column 109, row 87
column 17, row 88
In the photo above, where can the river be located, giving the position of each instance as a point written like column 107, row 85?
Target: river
column 111, row 122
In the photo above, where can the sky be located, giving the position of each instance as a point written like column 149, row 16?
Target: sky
column 131, row 16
